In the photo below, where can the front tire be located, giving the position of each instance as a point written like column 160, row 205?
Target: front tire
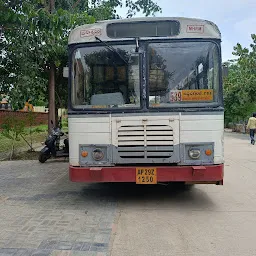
column 43, row 157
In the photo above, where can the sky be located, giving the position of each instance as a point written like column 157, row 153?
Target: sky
column 236, row 19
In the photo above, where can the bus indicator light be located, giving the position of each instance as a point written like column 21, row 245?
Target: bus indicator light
column 84, row 153
column 208, row 152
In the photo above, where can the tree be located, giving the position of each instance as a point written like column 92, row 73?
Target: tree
column 12, row 129
column 35, row 44
column 240, row 85
column 147, row 7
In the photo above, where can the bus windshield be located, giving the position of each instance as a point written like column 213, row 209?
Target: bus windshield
column 179, row 74
column 182, row 73
column 105, row 77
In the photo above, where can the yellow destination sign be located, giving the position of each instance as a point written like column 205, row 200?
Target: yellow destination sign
column 197, row 95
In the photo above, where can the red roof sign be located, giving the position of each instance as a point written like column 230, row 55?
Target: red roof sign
column 195, row 29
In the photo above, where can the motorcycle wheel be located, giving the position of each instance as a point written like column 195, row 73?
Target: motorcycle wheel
column 42, row 158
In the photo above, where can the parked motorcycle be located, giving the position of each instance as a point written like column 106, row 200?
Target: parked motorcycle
column 52, row 145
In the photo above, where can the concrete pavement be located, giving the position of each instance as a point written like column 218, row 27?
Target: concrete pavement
column 42, row 213
column 209, row 220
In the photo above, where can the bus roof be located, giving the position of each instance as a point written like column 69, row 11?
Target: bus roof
column 185, row 28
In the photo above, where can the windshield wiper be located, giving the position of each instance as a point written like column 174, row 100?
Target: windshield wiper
column 112, row 49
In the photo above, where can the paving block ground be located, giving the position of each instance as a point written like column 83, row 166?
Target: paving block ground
column 44, row 214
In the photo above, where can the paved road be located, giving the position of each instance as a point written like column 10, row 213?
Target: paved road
column 209, row 220
column 42, row 213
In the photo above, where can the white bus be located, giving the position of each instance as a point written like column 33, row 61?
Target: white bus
column 146, row 102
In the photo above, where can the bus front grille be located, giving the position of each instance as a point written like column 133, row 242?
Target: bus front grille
column 145, row 141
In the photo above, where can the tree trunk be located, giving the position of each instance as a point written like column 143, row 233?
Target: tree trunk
column 51, row 89
column 75, row 4
column 58, row 105
column 12, row 151
column 56, row 114
column 51, row 6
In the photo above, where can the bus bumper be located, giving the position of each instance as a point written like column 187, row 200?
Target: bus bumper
column 209, row 174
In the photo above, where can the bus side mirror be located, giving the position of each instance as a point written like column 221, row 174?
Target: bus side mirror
column 65, row 72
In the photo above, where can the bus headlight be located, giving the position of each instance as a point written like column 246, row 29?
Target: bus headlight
column 97, row 154
column 194, row 153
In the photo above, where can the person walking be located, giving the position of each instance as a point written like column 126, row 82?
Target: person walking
column 251, row 125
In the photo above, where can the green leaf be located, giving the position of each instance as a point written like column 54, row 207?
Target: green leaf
column 36, row 38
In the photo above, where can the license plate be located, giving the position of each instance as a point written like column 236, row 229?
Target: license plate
column 146, row 176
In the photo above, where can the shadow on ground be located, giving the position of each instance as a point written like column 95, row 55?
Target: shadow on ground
column 160, row 195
